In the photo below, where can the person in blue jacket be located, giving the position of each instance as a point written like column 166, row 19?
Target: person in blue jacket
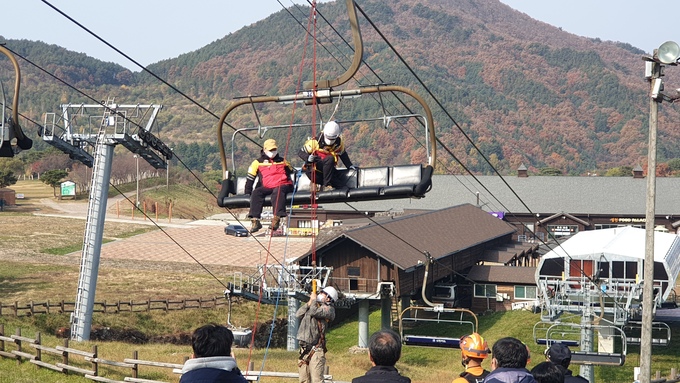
column 212, row 361
column 509, row 362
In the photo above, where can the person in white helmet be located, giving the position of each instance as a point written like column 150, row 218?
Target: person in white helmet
column 314, row 318
column 321, row 156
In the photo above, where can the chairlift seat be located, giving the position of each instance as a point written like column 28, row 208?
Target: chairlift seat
column 366, row 184
column 428, row 341
column 595, row 358
column 568, row 343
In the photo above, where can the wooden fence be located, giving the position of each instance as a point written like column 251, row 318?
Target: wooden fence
column 33, row 308
column 89, row 364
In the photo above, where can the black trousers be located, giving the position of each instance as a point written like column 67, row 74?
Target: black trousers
column 325, row 168
column 278, row 200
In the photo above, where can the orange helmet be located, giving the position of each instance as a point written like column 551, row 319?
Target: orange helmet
column 474, row 346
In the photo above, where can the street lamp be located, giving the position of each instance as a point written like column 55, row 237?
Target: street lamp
column 137, row 178
column 667, row 54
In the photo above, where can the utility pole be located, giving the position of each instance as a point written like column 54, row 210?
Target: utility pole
column 667, row 54
column 137, row 179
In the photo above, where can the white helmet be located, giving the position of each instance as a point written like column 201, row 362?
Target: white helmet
column 331, row 292
column 331, row 131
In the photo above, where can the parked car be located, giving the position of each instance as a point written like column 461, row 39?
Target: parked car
column 267, row 215
column 236, row 231
column 445, row 293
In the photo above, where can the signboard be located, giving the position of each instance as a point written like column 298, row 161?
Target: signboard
column 68, row 188
column 562, row 230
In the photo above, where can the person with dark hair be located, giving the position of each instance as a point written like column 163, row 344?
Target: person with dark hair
column 547, row 372
column 509, row 362
column 473, row 351
column 560, row 354
column 212, row 361
column 384, row 350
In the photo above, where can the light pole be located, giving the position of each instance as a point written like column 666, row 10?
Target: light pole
column 667, row 54
column 137, row 178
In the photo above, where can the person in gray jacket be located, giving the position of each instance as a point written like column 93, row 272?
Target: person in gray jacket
column 314, row 318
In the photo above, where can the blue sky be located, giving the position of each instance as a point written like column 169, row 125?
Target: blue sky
column 153, row 30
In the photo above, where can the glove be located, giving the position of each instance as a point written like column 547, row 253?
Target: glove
column 312, row 158
column 353, row 167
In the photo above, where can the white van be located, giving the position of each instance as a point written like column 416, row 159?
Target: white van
column 444, row 293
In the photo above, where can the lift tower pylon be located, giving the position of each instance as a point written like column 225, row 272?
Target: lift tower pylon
column 117, row 124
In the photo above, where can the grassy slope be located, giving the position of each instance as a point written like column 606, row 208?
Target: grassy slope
column 48, row 277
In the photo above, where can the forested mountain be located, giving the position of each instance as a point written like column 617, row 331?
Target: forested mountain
column 523, row 91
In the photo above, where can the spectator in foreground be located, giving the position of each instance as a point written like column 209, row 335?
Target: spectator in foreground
column 473, row 351
column 547, row 372
column 509, row 362
column 212, row 361
column 384, row 350
column 560, row 354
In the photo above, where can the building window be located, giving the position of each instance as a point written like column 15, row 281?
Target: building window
column 485, row 291
column 353, row 284
column 525, row 292
column 302, row 224
column 353, row 271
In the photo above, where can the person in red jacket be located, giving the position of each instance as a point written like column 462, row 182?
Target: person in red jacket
column 274, row 179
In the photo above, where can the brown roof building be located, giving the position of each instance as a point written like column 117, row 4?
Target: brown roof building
column 456, row 238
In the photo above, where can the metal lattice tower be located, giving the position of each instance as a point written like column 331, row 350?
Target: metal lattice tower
column 117, row 124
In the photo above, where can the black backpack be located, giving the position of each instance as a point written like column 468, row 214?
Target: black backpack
column 474, row 378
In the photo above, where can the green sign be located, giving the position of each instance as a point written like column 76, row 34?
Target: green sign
column 68, row 188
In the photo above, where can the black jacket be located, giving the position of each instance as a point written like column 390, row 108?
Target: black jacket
column 382, row 374
column 570, row 378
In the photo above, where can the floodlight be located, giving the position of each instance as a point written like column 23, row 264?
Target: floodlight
column 669, row 52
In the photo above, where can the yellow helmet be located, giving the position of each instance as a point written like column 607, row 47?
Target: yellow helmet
column 474, row 346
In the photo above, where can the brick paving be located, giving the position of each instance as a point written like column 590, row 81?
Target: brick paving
column 208, row 245
column 189, row 241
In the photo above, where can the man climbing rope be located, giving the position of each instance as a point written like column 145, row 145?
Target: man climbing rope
column 314, row 318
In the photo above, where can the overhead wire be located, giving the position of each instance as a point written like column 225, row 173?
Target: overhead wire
column 448, row 150
column 391, row 47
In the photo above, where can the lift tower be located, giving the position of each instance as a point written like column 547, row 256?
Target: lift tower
column 97, row 129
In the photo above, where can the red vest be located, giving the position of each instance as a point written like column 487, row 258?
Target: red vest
column 273, row 175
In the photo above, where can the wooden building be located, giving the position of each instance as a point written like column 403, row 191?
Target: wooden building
column 367, row 258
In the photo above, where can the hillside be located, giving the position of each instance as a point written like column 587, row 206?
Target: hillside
column 522, row 90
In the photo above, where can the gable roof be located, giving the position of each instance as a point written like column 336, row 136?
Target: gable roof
column 542, row 194
column 404, row 240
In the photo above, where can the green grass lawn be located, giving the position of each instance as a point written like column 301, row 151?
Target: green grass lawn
column 419, row 363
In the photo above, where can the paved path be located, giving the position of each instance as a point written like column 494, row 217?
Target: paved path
column 188, row 241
